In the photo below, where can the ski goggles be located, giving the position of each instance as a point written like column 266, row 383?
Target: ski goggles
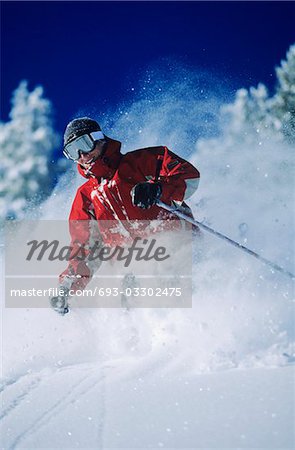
column 82, row 144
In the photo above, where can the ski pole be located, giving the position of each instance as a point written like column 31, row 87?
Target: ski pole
column 181, row 215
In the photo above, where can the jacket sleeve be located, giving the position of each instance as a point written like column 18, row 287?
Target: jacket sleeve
column 84, row 234
column 179, row 178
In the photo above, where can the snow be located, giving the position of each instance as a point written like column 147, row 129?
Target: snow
column 122, row 405
column 217, row 375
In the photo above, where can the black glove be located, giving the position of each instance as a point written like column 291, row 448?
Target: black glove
column 144, row 195
column 60, row 303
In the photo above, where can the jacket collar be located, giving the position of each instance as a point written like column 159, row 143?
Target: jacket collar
column 106, row 165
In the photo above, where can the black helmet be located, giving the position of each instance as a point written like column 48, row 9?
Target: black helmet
column 78, row 127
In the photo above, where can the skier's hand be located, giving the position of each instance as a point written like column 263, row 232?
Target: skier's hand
column 144, row 195
column 60, row 303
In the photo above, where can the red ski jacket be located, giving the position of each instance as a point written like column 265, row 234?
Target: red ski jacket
column 106, row 196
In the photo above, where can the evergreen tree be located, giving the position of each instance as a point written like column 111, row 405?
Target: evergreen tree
column 250, row 115
column 284, row 101
column 256, row 115
column 26, row 143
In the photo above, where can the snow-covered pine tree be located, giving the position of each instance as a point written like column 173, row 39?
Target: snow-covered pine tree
column 258, row 130
column 283, row 106
column 26, row 144
column 250, row 114
column 256, row 115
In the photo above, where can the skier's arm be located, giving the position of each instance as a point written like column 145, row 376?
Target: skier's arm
column 171, row 178
column 179, row 178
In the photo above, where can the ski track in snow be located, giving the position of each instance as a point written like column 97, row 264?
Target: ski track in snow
column 10, row 382
column 83, row 386
column 18, row 399
column 203, row 386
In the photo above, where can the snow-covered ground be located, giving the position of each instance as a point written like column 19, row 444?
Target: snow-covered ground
column 127, row 405
column 217, row 375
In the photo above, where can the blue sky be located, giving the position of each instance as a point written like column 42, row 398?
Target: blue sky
column 89, row 54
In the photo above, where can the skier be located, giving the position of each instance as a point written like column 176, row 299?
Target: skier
column 119, row 188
